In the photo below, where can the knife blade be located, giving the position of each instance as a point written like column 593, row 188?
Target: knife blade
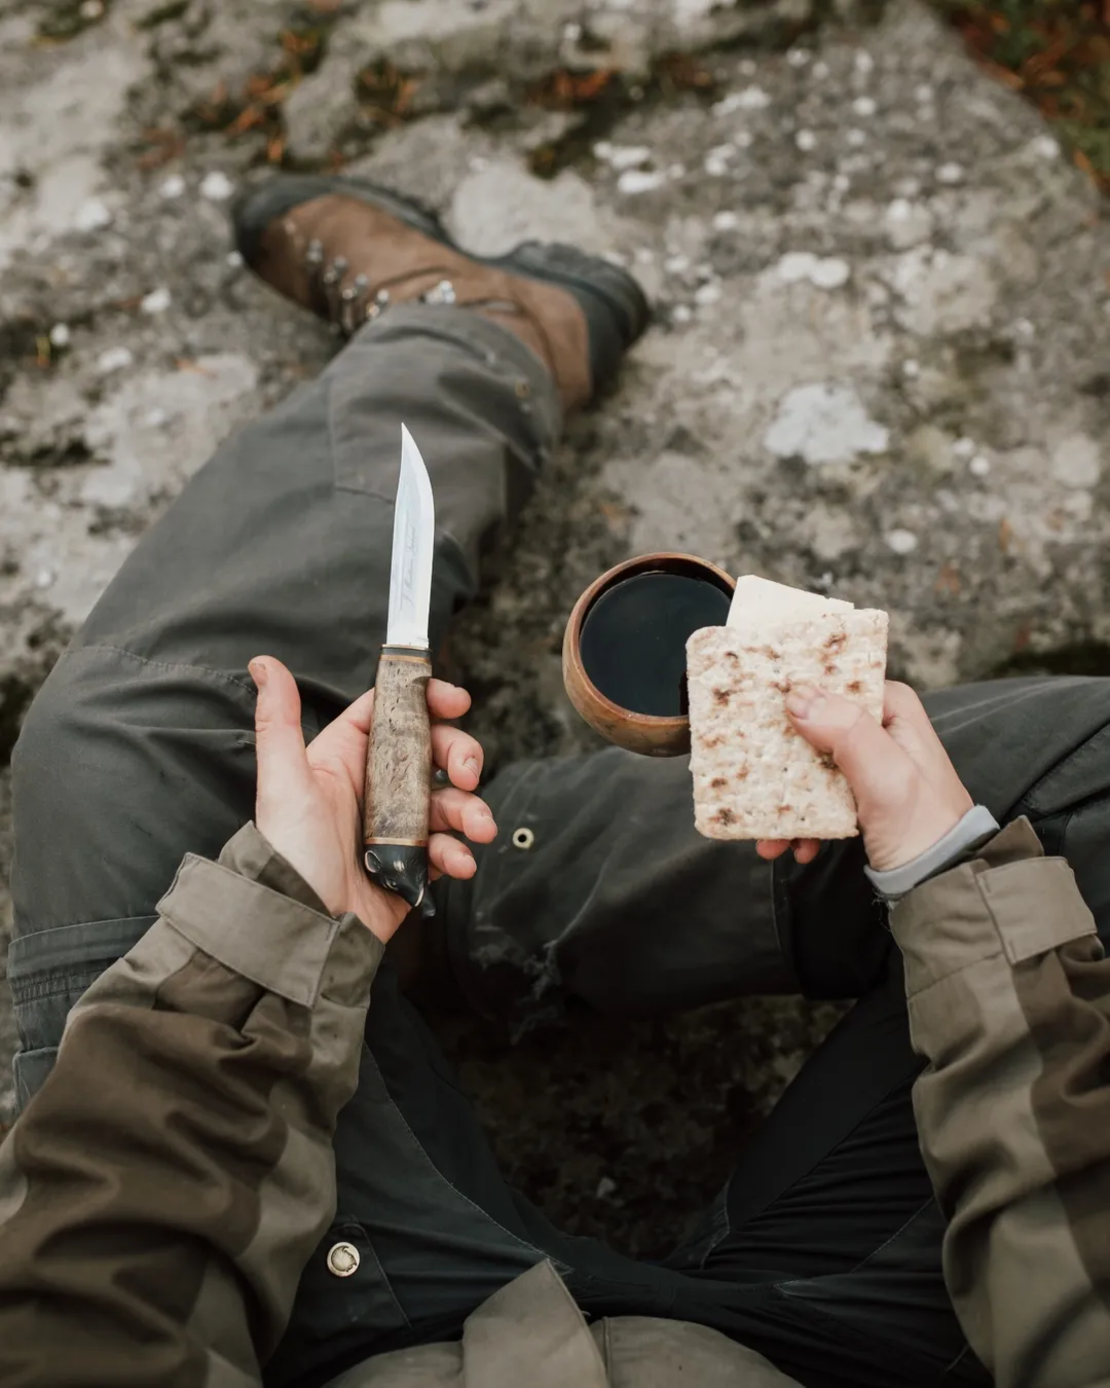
column 399, row 754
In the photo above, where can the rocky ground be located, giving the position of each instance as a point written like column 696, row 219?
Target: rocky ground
column 879, row 368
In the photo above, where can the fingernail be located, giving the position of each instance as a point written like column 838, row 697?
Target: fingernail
column 802, row 700
column 485, row 812
column 259, row 673
column 471, row 764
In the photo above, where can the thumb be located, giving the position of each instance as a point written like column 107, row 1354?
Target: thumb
column 282, row 764
column 867, row 754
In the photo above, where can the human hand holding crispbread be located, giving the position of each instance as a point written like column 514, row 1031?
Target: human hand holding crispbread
column 796, row 736
column 907, row 792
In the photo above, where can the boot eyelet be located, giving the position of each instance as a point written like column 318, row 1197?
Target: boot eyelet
column 523, row 838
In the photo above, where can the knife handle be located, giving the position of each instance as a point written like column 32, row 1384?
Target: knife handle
column 399, row 775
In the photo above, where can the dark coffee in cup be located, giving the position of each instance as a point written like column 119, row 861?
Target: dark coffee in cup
column 633, row 640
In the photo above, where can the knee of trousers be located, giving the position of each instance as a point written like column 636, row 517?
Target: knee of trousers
column 121, row 767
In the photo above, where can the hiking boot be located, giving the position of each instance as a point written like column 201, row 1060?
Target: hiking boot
column 348, row 249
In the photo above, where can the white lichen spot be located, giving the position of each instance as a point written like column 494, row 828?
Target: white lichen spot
column 864, row 106
column 911, row 369
column 798, row 57
column 1045, row 147
column 743, row 139
column 1024, row 328
column 676, row 264
column 633, row 182
column 950, row 174
column 707, row 294
column 615, row 258
column 822, row 423
column 644, row 255
column 901, row 541
column 841, row 183
column 44, row 578
column 156, row 418
column 796, row 266
column 805, row 140
column 979, row 466
column 923, row 94
column 864, row 62
column 820, row 70
column 725, row 221
column 717, row 160
column 59, row 335
column 856, row 137
column 830, row 273
column 964, row 447
column 907, row 223
column 752, row 99
column 234, row 259
column 172, row 187
column 114, row 359
column 92, row 215
column 157, row 301
column 823, row 272
column 1076, row 462
column 681, row 313
column 216, row 186
column 622, row 157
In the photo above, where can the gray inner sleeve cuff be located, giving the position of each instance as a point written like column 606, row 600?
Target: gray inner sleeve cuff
column 976, row 827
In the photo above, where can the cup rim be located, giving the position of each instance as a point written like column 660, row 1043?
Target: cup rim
column 609, row 579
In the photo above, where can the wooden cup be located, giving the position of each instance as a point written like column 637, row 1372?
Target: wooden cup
column 638, row 732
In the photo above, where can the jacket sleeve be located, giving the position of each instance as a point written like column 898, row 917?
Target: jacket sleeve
column 161, row 1195
column 1009, row 1001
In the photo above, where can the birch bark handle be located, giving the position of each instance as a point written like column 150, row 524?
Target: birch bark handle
column 398, row 775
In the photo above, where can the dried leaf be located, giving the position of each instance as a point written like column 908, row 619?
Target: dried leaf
column 1013, row 80
column 1082, row 162
column 948, row 580
column 248, row 118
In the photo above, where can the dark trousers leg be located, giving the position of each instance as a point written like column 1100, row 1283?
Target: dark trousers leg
column 139, row 748
column 140, row 745
column 824, row 1248
column 611, row 896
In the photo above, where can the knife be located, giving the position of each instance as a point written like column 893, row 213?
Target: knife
column 399, row 755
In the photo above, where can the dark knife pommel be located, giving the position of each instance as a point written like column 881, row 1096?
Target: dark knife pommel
column 398, row 775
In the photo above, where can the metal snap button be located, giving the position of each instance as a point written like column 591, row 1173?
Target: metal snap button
column 523, row 838
column 343, row 1259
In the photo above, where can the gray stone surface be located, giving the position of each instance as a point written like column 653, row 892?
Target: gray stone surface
column 879, row 368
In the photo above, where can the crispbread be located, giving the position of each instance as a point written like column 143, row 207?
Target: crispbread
column 754, row 776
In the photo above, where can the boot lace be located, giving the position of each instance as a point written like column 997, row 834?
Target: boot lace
column 348, row 306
